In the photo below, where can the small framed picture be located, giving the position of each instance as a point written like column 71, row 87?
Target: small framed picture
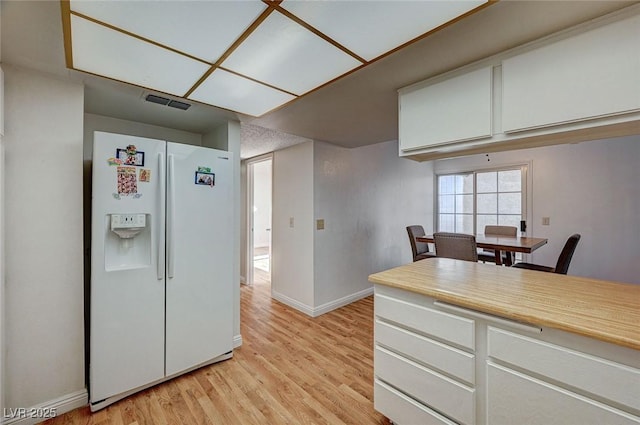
column 207, row 179
column 130, row 157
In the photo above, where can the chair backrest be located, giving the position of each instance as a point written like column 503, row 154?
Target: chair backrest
column 562, row 266
column 456, row 245
column 417, row 248
column 501, row 230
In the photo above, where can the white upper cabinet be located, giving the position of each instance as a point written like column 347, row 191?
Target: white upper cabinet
column 580, row 84
column 589, row 75
column 449, row 111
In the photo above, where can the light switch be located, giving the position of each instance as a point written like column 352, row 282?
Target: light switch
column 545, row 221
column 290, row 221
column 320, row 224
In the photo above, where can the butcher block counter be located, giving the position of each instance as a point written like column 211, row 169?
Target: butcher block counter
column 458, row 342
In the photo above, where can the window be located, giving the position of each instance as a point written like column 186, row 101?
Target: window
column 469, row 201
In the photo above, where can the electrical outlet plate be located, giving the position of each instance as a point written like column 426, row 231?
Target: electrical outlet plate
column 320, row 224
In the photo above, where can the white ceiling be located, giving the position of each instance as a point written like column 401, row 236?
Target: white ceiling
column 356, row 110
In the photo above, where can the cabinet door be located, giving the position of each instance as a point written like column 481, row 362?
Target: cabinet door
column 449, row 111
column 515, row 398
column 589, row 75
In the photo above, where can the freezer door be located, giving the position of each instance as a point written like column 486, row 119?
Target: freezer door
column 127, row 282
column 199, row 311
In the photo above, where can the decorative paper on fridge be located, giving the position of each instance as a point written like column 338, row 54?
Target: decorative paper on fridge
column 145, row 175
column 127, row 182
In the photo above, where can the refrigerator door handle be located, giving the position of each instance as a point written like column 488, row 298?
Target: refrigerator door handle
column 160, row 225
column 170, row 215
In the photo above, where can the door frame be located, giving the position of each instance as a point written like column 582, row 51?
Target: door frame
column 250, row 215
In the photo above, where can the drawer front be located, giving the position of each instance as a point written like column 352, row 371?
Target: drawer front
column 612, row 381
column 443, row 394
column 444, row 326
column 514, row 398
column 403, row 410
column 436, row 355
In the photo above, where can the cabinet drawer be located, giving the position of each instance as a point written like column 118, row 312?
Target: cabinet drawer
column 427, row 386
column 403, row 410
column 436, row 355
column 514, row 398
column 609, row 380
column 443, row 326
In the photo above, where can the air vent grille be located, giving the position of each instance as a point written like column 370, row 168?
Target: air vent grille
column 157, row 99
column 167, row 102
column 179, row 105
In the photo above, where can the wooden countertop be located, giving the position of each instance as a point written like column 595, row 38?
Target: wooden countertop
column 608, row 311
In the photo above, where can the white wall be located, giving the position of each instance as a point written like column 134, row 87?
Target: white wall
column 2, row 267
column 44, row 281
column 589, row 188
column 292, row 263
column 262, row 201
column 243, row 222
column 367, row 196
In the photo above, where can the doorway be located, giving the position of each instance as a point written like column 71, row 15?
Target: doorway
column 259, row 177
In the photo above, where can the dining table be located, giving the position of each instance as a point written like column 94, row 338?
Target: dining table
column 498, row 244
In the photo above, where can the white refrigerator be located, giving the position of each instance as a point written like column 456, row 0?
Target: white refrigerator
column 161, row 293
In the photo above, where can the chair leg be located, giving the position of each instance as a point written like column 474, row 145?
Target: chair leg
column 509, row 259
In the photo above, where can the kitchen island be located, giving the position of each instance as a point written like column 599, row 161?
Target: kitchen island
column 471, row 343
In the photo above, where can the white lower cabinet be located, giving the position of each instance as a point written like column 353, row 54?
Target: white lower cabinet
column 436, row 363
column 516, row 398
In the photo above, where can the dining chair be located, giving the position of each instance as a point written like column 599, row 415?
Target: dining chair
column 456, row 245
column 489, row 254
column 420, row 250
column 562, row 266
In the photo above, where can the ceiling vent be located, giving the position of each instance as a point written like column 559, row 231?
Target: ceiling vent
column 167, row 102
column 179, row 105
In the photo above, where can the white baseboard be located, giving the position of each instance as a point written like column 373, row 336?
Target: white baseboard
column 35, row 414
column 324, row 308
column 237, row 341
column 292, row 303
column 341, row 302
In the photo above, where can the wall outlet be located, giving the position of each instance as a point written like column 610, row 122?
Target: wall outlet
column 320, row 224
column 545, row 221
column 290, row 221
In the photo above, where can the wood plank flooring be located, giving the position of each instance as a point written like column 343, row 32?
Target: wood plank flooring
column 291, row 369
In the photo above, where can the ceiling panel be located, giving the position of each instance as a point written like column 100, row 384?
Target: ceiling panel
column 372, row 28
column 102, row 51
column 230, row 91
column 204, row 29
column 288, row 56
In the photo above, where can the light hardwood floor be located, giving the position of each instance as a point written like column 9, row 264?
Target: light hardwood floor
column 291, row 369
